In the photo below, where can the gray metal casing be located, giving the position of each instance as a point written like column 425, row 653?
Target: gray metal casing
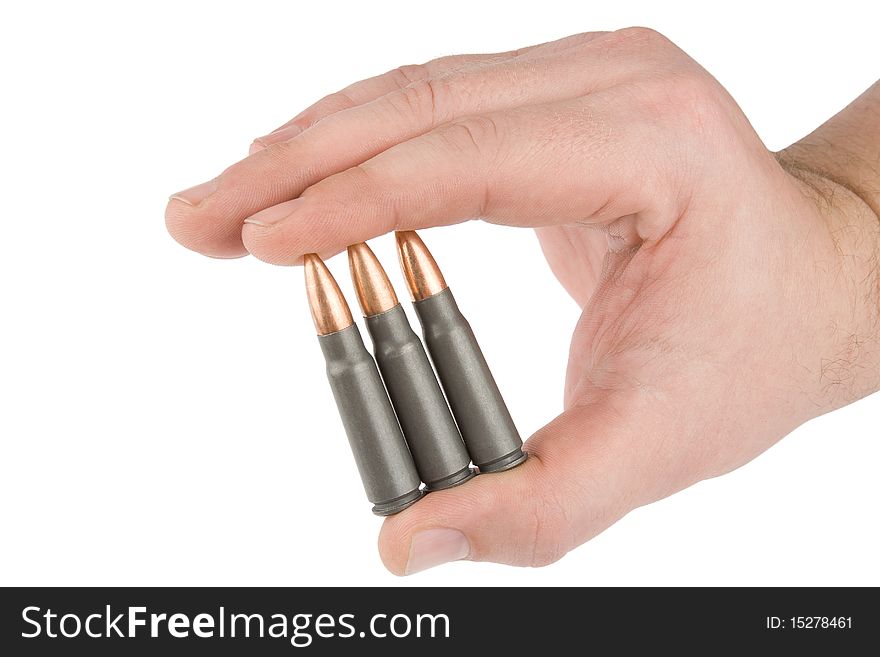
column 439, row 453
column 383, row 459
column 488, row 430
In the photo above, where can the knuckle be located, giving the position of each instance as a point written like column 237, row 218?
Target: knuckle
column 550, row 523
column 409, row 73
column 479, row 132
column 281, row 153
column 693, row 97
column 689, row 82
column 548, row 532
column 360, row 181
column 687, row 97
column 644, row 37
column 422, row 98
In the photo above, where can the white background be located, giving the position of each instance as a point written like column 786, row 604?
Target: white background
column 164, row 417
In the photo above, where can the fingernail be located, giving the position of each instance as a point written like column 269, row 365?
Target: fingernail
column 197, row 194
column 282, row 134
column 270, row 216
column 433, row 547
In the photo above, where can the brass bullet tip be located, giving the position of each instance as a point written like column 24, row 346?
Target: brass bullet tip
column 329, row 308
column 422, row 274
column 374, row 291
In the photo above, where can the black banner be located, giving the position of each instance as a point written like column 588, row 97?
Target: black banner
column 410, row 621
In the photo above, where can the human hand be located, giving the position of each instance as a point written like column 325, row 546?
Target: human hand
column 726, row 297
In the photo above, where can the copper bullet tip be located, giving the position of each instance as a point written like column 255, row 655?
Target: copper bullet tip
column 374, row 291
column 422, row 274
column 329, row 308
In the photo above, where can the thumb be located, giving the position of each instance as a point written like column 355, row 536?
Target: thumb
column 577, row 481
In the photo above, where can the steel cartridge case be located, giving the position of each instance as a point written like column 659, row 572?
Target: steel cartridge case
column 434, row 440
column 383, row 459
column 488, row 430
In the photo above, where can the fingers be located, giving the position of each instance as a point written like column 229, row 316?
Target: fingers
column 581, row 476
column 208, row 219
column 535, row 166
column 370, row 89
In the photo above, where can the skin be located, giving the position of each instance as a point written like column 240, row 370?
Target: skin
column 729, row 294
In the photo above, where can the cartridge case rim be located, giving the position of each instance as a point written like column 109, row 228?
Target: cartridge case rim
column 398, row 504
column 456, row 479
column 507, row 462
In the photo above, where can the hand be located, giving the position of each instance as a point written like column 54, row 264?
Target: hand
column 726, row 298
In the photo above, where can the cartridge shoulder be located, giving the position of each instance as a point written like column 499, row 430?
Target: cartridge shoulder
column 401, row 347
column 351, row 363
column 448, row 329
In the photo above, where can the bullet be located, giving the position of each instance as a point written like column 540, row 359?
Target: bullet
column 441, row 458
column 488, row 430
column 383, row 459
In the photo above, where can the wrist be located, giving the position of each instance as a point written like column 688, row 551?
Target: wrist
column 846, row 256
column 845, row 152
